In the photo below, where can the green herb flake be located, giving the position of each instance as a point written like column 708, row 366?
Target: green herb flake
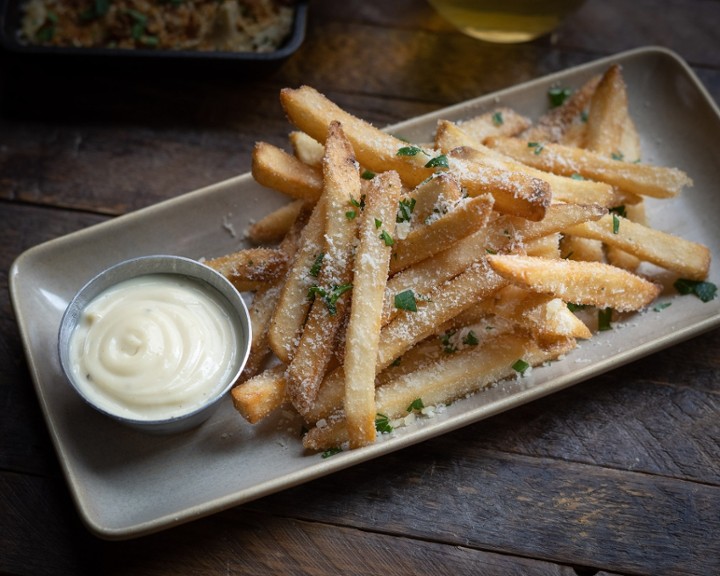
column 617, row 156
column 659, row 307
column 575, row 307
column 577, row 176
column 619, row 210
column 605, row 319
column 520, row 366
column 438, row 162
column 470, row 339
column 385, row 237
column 378, row 223
column 350, row 214
column 329, row 297
column 331, row 452
column 616, row 223
column 538, row 147
column 416, row 404
column 448, row 346
column 382, row 424
column 406, row 301
column 316, row 265
column 405, row 210
column 497, row 118
column 558, row 96
column 409, row 151
column 706, row 291
column 367, row 175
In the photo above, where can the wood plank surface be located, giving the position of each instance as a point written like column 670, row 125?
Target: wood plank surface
column 617, row 475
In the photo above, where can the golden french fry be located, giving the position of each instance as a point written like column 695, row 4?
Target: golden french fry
column 251, row 268
column 500, row 234
column 273, row 226
column 642, row 179
column 370, row 273
column 591, row 283
column 260, row 311
column 262, row 394
column 619, row 257
column 515, row 193
column 688, row 259
column 293, row 303
column 378, row 151
column 275, row 168
column 578, row 248
column 432, row 197
column 308, row 150
column 425, row 240
column 499, row 122
column 451, row 377
column 564, row 123
column 610, row 127
column 317, row 342
column 564, row 189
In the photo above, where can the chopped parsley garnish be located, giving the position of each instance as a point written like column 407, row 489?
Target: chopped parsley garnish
column 367, row 175
column 557, row 96
column 706, row 291
column 470, row 339
column 575, row 307
column 619, row 210
column 378, row 223
column 331, row 452
column 382, row 423
column 616, row 223
column 520, row 366
column 605, row 319
column 661, row 306
column 358, row 204
column 617, row 156
column 497, row 118
column 385, row 237
column 416, row 404
column 409, row 151
column 350, row 214
column 316, row 265
column 438, row 162
column 405, row 210
column 577, row 176
column 538, row 147
column 329, row 297
column 406, row 301
column 448, row 346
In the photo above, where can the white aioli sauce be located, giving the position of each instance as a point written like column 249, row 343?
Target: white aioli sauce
column 153, row 347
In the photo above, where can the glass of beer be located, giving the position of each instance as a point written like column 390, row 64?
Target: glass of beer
column 506, row 21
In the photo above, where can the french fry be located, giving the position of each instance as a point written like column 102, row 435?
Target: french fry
column 578, row 248
column 378, row 151
column 564, row 123
column 619, row 257
column 590, row 283
column 564, row 189
column 370, row 273
column 688, row 259
column 251, row 268
column 610, row 127
column 261, row 395
column 433, row 196
column 500, row 234
column 293, row 303
column 453, row 376
column 274, row 168
column 273, row 226
column 260, row 311
column 641, row 179
column 422, row 242
column 502, row 121
column 308, row 150
column 315, row 349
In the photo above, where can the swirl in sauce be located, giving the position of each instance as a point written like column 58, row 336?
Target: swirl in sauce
column 153, row 347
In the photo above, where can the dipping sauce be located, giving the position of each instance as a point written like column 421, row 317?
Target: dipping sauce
column 154, row 347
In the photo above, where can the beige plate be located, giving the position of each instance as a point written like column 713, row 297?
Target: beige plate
column 127, row 484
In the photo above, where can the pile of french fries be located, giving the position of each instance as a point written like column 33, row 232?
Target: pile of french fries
column 403, row 276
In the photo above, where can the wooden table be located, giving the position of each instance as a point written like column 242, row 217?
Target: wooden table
column 620, row 474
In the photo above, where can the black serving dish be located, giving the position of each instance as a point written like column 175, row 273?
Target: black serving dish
column 11, row 14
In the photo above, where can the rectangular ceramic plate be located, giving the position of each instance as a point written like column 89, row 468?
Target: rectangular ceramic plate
column 127, row 484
